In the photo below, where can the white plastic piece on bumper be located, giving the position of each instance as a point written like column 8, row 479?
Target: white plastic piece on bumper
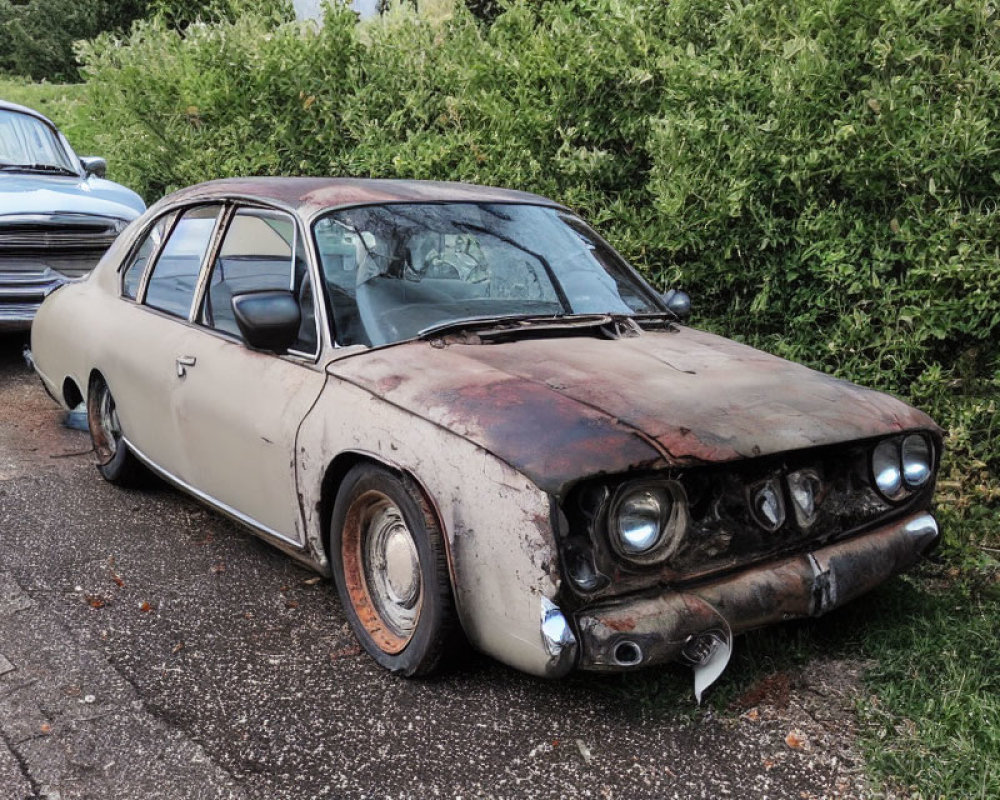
column 708, row 671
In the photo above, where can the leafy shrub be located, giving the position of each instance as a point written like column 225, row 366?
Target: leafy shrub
column 37, row 36
column 823, row 177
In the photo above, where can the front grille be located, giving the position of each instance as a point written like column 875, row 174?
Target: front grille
column 71, row 262
column 723, row 531
column 47, row 235
column 70, row 244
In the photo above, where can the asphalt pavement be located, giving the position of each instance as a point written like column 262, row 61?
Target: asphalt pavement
column 152, row 649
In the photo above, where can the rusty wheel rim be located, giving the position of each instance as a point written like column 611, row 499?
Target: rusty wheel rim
column 382, row 570
column 104, row 423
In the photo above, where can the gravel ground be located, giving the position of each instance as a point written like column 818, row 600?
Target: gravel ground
column 151, row 649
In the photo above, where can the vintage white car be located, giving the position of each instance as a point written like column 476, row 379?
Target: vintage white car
column 58, row 214
column 466, row 408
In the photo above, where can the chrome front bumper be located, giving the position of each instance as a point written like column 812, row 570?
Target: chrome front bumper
column 21, row 293
column 653, row 629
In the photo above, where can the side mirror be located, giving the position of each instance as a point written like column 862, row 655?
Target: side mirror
column 268, row 320
column 94, row 165
column 679, row 302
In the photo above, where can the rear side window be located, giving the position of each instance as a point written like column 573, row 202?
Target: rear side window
column 132, row 278
column 261, row 250
column 175, row 275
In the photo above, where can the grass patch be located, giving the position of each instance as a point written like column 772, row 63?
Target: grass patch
column 65, row 104
column 929, row 717
column 930, row 723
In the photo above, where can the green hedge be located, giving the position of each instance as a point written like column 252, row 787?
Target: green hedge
column 37, row 36
column 822, row 176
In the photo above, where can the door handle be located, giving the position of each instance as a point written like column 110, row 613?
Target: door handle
column 183, row 362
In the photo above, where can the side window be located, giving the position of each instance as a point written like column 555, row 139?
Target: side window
column 140, row 259
column 175, row 274
column 262, row 250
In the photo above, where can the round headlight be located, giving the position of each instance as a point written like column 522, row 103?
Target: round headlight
column 640, row 520
column 646, row 521
column 887, row 469
column 916, row 460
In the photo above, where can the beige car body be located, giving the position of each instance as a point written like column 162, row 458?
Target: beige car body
column 266, row 439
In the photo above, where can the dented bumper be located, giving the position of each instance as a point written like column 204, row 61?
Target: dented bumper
column 655, row 629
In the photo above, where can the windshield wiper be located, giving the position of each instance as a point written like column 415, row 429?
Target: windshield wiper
column 655, row 316
column 516, row 320
column 53, row 168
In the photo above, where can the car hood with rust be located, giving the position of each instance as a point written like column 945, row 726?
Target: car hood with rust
column 30, row 194
column 559, row 409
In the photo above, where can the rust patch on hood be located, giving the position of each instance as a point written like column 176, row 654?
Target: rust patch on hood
column 559, row 410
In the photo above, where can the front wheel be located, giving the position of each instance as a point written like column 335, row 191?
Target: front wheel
column 389, row 562
column 115, row 461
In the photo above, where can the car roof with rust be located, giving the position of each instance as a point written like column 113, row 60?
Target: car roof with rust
column 311, row 195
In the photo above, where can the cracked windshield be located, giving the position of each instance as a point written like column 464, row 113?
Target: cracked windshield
column 394, row 272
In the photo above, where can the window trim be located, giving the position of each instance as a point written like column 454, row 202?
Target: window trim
column 133, row 251
column 233, row 207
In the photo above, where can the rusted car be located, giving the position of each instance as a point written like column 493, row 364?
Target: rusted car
column 466, row 408
column 58, row 214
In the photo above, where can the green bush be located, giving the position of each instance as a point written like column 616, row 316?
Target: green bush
column 822, row 177
column 37, row 36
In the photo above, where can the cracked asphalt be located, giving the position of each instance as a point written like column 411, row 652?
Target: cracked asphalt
column 152, row 649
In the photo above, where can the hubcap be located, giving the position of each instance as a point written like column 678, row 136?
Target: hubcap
column 107, row 430
column 386, row 587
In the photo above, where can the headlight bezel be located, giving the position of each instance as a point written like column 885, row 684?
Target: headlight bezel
column 672, row 522
column 887, row 464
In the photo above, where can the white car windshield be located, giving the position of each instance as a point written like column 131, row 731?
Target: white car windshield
column 27, row 143
column 393, row 271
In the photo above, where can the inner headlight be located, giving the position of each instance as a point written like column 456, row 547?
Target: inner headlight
column 646, row 522
column 767, row 504
column 804, row 487
column 887, row 468
column 916, row 450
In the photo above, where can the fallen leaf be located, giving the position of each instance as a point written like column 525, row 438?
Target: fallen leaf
column 177, row 648
column 145, row 608
column 795, row 740
column 218, row 568
column 46, row 728
column 118, row 580
column 291, row 604
column 312, row 581
column 95, row 601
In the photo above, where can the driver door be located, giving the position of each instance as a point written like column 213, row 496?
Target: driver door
column 240, row 409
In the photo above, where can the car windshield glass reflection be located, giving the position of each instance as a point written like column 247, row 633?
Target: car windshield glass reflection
column 29, row 144
column 393, row 271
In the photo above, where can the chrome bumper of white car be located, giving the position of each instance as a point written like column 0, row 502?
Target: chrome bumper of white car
column 21, row 293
